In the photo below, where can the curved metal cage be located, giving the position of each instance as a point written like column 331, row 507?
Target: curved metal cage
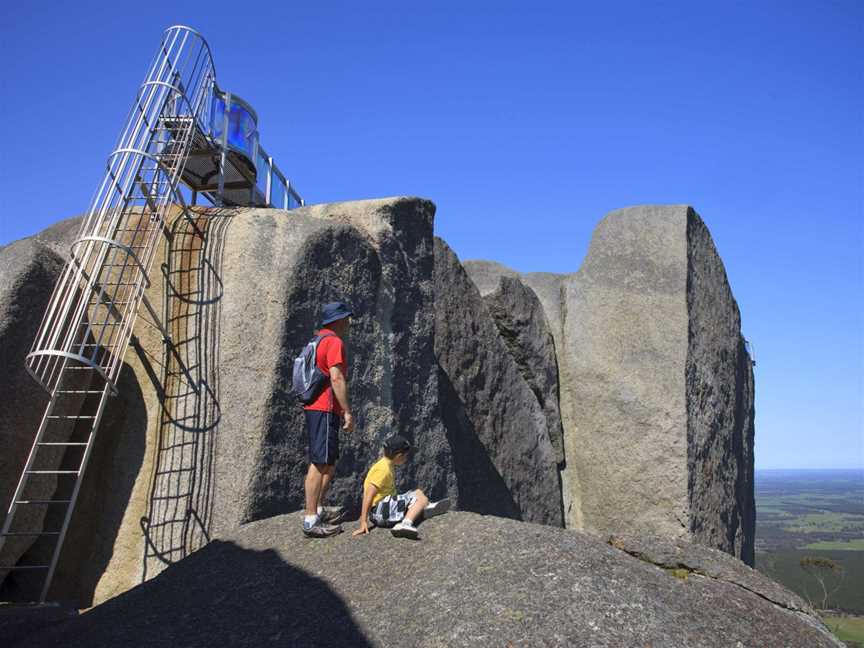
column 90, row 316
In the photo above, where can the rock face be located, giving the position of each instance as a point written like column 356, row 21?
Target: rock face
column 376, row 256
column 523, row 328
column 720, row 405
column 475, row 581
column 656, row 386
column 643, row 344
column 28, row 271
column 490, row 411
column 205, row 435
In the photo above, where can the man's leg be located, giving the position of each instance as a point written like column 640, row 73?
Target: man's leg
column 331, row 453
column 326, row 477
column 314, row 486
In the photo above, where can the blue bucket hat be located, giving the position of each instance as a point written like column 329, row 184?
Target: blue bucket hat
column 334, row 311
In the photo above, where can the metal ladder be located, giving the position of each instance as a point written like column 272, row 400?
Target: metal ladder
column 78, row 352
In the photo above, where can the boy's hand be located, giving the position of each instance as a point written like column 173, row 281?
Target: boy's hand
column 348, row 424
column 362, row 530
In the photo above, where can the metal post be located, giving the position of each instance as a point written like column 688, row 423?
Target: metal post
column 269, row 180
column 220, row 201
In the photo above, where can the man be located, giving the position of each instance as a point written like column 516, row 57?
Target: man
column 324, row 416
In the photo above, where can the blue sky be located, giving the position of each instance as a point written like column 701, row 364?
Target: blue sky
column 525, row 123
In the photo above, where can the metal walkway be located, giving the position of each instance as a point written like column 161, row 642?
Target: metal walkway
column 181, row 129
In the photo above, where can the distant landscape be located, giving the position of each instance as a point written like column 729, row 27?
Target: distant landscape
column 815, row 514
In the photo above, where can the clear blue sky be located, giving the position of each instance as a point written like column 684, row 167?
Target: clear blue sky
column 525, row 123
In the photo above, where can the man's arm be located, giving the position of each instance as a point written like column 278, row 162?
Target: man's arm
column 368, row 495
column 340, row 390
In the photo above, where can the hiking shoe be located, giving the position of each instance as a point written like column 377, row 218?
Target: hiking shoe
column 332, row 514
column 321, row 530
column 437, row 508
column 405, row 530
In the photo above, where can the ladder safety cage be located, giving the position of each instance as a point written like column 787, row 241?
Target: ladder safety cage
column 169, row 138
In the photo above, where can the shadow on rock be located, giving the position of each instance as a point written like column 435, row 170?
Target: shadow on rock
column 251, row 598
column 481, row 487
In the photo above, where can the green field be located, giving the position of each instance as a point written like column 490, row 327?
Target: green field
column 812, row 514
column 848, row 545
column 848, row 629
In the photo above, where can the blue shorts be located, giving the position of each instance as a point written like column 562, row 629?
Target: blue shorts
column 323, row 436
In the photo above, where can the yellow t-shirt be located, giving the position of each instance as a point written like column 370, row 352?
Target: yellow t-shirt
column 381, row 474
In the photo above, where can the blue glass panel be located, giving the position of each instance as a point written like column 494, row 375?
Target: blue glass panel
column 277, row 192
column 261, row 168
column 217, row 116
column 242, row 131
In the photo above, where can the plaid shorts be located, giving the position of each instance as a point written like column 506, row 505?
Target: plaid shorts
column 392, row 509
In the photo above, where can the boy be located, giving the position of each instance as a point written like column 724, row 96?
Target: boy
column 387, row 508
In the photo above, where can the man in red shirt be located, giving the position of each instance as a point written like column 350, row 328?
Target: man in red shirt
column 324, row 416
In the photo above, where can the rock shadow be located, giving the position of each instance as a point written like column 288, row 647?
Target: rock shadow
column 180, row 507
column 482, row 489
column 222, row 595
column 106, row 488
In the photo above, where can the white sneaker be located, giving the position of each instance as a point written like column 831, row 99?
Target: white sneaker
column 405, row 530
column 437, row 508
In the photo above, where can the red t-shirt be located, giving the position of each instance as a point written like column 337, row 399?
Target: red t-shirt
column 331, row 351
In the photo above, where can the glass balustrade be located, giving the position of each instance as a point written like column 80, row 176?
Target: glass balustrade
column 239, row 133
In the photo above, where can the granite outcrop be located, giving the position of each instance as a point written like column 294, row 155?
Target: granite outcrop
column 474, row 581
column 503, row 454
column 616, row 400
column 656, row 384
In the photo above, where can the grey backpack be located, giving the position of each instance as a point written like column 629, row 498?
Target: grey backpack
column 308, row 381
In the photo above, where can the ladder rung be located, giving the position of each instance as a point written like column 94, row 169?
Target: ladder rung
column 80, row 391
column 62, row 443
column 43, row 502
column 25, row 567
column 30, row 533
column 51, row 472
column 61, row 416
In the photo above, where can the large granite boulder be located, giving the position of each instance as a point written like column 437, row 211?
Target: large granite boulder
column 504, row 458
column 205, row 434
column 656, row 385
column 522, row 324
column 278, row 268
column 470, row 581
column 28, row 271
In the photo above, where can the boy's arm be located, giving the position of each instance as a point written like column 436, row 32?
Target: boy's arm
column 368, row 495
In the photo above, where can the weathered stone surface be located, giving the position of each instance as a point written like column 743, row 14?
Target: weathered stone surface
column 376, row 256
column 28, row 271
column 486, row 275
column 695, row 559
column 489, row 409
column 646, row 310
column 205, row 434
column 720, row 405
column 472, row 581
column 656, row 386
column 522, row 324
column 30, row 268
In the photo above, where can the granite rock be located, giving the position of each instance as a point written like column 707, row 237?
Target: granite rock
column 504, row 458
column 474, row 581
column 28, row 271
column 523, row 327
column 655, row 382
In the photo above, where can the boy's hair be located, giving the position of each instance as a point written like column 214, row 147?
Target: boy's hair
column 396, row 444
